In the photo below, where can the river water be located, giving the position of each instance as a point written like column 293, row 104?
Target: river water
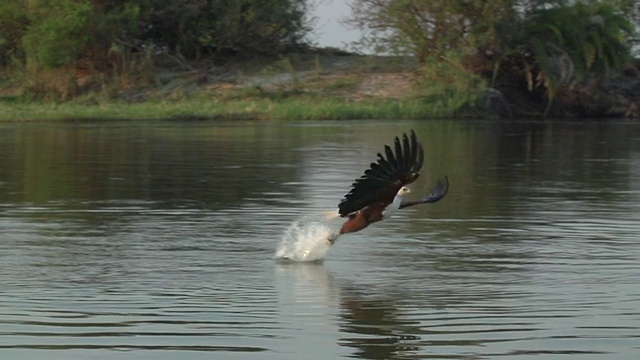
column 156, row 240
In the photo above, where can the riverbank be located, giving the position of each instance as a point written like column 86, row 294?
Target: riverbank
column 313, row 85
column 202, row 107
column 298, row 86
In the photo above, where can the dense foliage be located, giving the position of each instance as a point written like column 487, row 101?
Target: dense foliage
column 555, row 48
column 532, row 49
column 427, row 28
column 58, row 48
column 240, row 26
column 53, row 33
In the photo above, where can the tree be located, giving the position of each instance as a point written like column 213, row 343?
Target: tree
column 52, row 33
column 557, row 46
column 50, row 40
column 430, row 27
column 192, row 28
column 60, row 31
column 528, row 47
column 13, row 25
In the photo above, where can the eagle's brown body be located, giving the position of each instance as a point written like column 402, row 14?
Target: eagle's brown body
column 362, row 218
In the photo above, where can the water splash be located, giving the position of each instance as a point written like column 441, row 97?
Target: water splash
column 304, row 241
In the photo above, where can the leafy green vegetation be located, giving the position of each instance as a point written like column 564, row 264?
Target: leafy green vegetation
column 557, row 47
column 241, row 106
column 58, row 49
column 533, row 52
column 445, row 83
column 511, row 57
column 430, row 28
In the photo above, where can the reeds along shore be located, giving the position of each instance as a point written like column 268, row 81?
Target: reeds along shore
column 204, row 108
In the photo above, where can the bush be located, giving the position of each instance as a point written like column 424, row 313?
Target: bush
column 530, row 50
column 444, row 83
column 428, row 28
column 57, row 33
column 13, row 25
column 107, row 40
column 558, row 46
column 194, row 28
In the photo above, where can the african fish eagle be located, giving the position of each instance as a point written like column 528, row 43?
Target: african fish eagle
column 380, row 192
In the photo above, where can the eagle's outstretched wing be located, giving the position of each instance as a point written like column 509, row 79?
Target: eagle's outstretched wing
column 438, row 193
column 380, row 183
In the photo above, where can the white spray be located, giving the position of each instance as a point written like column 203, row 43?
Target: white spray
column 305, row 240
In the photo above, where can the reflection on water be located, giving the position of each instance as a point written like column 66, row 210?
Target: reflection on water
column 156, row 241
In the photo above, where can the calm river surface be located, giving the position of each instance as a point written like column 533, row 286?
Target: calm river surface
column 156, row 240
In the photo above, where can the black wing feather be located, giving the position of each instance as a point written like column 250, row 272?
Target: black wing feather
column 420, row 158
column 390, row 158
column 414, row 148
column 384, row 165
column 399, row 154
column 406, row 150
column 397, row 168
column 375, row 172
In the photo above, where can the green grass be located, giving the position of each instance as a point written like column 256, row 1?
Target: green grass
column 246, row 106
column 311, row 92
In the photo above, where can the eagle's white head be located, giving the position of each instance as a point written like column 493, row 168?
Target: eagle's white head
column 403, row 191
column 397, row 201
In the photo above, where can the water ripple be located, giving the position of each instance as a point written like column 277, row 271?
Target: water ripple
column 157, row 241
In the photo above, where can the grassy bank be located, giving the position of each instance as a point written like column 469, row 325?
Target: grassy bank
column 314, row 88
column 202, row 107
